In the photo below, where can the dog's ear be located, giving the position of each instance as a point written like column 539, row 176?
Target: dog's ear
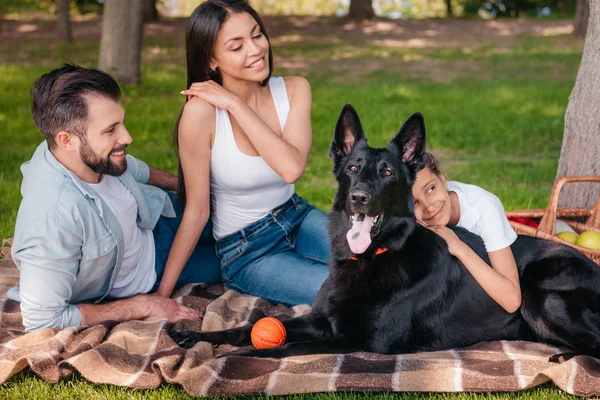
column 410, row 141
column 348, row 131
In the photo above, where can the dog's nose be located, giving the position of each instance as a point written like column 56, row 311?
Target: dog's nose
column 359, row 198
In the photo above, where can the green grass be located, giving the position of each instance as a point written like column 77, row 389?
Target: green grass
column 494, row 115
column 25, row 386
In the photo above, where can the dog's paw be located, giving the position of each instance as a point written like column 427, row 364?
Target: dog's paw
column 185, row 339
column 562, row 357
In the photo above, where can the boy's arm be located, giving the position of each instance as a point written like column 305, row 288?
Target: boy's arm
column 501, row 282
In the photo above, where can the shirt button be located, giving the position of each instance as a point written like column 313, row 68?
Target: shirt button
column 105, row 249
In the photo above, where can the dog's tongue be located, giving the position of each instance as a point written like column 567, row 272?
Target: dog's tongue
column 359, row 236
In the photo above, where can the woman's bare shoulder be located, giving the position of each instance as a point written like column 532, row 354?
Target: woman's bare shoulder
column 197, row 120
column 297, row 85
column 198, row 107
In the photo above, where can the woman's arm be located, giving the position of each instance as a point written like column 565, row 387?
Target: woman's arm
column 501, row 282
column 195, row 138
column 286, row 154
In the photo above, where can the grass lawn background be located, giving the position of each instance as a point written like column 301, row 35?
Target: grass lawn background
column 493, row 96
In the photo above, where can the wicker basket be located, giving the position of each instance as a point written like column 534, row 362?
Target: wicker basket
column 572, row 216
column 5, row 249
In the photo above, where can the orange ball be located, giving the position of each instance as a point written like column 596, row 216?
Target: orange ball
column 267, row 332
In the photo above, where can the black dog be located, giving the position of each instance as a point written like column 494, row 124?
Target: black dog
column 404, row 292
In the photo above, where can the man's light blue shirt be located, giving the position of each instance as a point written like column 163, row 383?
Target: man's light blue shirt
column 68, row 245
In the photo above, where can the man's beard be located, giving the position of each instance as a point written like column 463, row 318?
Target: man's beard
column 101, row 165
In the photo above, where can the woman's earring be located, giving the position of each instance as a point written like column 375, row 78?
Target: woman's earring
column 212, row 71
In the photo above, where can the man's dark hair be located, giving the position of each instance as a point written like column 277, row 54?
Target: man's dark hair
column 58, row 99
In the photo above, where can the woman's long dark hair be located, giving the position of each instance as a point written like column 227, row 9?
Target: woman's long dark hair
column 200, row 37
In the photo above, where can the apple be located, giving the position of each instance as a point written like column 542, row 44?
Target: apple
column 568, row 236
column 589, row 239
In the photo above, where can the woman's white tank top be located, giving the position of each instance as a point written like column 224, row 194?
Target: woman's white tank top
column 244, row 188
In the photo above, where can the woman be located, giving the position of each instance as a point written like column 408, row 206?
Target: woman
column 244, row 137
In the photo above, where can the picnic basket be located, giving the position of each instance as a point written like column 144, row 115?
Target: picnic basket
column 579, row 219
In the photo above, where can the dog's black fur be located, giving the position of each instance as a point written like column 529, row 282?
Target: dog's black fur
column 416, row 296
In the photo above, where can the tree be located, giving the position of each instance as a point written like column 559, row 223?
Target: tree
column 121, row 41
column 449, row 12
column 149, row 11
column 581, row 141
column 361, row 9
column 63, row 21
column 582, row 13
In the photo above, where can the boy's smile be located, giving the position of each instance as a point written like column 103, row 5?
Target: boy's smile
column 432, row 202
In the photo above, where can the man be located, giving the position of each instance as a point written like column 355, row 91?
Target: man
column 94, row 224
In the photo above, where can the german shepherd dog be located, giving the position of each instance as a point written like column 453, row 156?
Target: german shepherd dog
column 393, row 287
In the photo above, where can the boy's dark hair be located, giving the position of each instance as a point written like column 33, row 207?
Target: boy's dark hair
column 432, row 163
column 58, row 99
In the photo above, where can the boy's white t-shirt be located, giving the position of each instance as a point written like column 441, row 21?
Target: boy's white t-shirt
column 482, row 213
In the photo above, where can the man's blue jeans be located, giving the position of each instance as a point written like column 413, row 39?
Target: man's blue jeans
column 202, row 266
column 282, row 257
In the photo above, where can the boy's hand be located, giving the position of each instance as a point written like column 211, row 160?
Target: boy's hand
column 455, row 245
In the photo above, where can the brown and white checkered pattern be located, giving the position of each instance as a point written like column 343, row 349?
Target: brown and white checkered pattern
column 140, row 354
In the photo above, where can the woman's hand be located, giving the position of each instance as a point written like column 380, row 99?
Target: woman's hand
column 455, row 245
column 213, row 93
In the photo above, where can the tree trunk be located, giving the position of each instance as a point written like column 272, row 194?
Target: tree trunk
column 63, row 21
column 121, row 42
column 149, row 12
column 580, row 153
column 361, row 9
column 449, row 12
column 582, row 15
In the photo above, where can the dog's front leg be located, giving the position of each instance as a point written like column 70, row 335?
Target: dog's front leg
column 236, row 336
column 300, row 329
column 335, row 345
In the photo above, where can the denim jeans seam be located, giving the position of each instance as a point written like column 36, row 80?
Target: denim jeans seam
column 265, row 226
column 230, row 284
column 315, row 259
column 287, row 234
column 224, row 249
column 234, row 258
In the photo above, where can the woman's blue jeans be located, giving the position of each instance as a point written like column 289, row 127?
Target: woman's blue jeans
column 283, row 257
column 202, row 265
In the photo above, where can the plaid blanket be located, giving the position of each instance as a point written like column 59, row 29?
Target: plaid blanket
column 140, row 354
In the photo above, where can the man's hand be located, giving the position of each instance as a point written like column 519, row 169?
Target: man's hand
column 165, row 307
column 136, row 307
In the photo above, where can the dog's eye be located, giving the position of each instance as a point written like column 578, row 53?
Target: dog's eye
column 387, row 172
column 353, row 168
